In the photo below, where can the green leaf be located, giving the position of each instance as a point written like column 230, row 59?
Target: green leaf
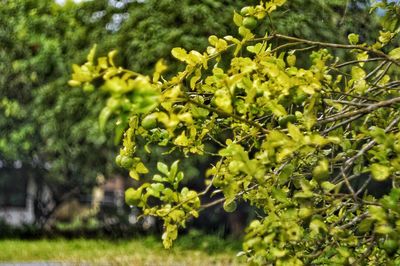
column 199, row 112
column 380, row 172
column 286, row 172
column 141, row 168
column 353, row 38
column 102, row 62
column 362, row 56
column 377, row 213
column 213, row 40
column 74, row 83
column 223, row 100
column 280, row 195
column 163, row 168
column 295, row 133
column 92, row 52
column 81, row 74
column 291, row 59
column 182, row 140
column 179, row 177
column 179, row 53
column 174, row 169
column 159, row 178
column 303, row 195
column 169, row 235
column 327, row 186
column 111, row 56
column 395, row 53
column 365, row 225
column 103, row 117
column 155, row 189
column 276, row 108
column 193, row 81
column 230, row 205
column 383, row 229
column 134, row 174
column 321, row 171
column 357, row 73
column 132, row 196
column 237, row 19
column 317, row 226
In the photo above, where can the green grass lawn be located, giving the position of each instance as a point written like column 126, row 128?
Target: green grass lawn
column 189, row 250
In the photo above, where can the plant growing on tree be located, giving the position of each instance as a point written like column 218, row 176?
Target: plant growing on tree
column 301, row 141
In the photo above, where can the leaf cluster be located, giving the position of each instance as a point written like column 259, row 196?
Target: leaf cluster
column 296, row 139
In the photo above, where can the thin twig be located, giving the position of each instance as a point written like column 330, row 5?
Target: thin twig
column 286, row 45
column 340, row 46
column 213, row 203
column 351, row 103
column 354, row 221
column 358, row 61
column 345, row 122
column 365, row 110
column 370, row 74
column 361, row 189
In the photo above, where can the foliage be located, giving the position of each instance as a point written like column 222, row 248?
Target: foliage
column 324, row 20
column 41, row 121
column 154, row 27
column 301, row 141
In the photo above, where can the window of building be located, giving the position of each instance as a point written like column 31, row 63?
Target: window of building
column 13, row 188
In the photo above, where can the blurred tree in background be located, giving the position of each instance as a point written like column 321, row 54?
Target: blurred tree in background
column 51, row 131
column 43, row 121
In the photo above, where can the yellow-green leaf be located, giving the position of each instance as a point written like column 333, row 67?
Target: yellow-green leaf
column 395, row 53
column 181, row 140
column 237, row 19
column 295, row 132
column 134, row 174
column 380, row 172
column 353, row 38
column 91, row 54
column 179, row 53
column 141, row 168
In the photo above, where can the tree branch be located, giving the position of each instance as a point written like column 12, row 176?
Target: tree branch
column 340, row 46
column 226, row 114
column 365, row 110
